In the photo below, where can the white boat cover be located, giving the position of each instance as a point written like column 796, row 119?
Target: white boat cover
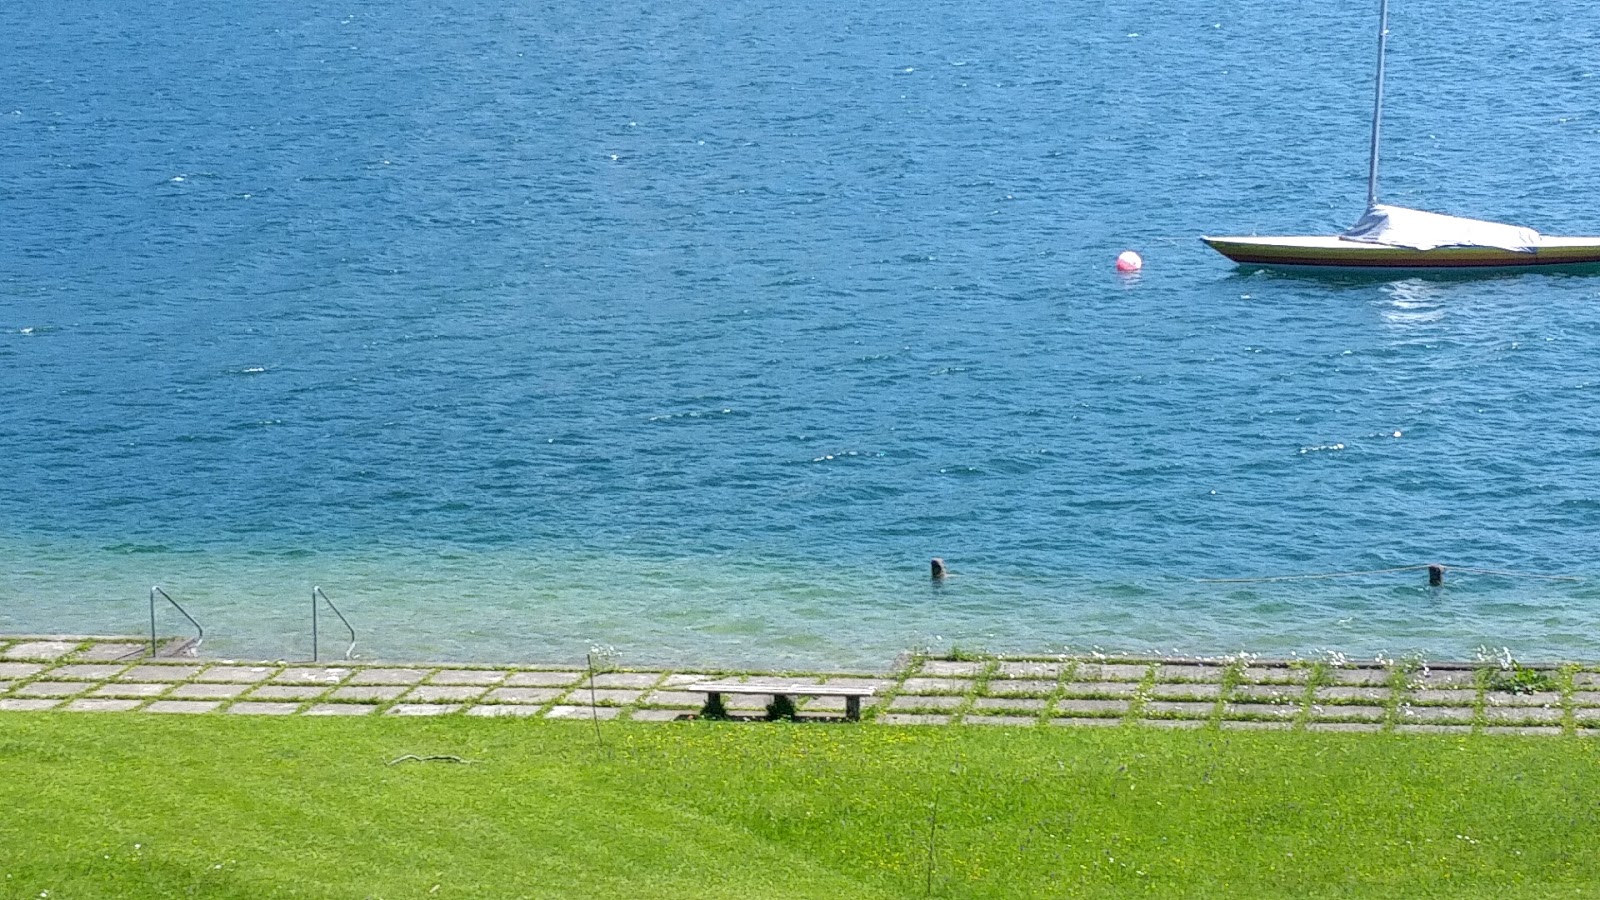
column 1396, row 226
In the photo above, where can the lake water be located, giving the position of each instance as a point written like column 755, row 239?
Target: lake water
column 695, row 331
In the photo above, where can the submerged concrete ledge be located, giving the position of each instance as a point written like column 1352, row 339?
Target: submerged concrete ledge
column 87, row 673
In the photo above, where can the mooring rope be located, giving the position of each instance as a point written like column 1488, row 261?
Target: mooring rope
column 1318, row 575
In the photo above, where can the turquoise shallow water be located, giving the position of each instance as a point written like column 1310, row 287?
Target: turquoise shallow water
column 524, row 328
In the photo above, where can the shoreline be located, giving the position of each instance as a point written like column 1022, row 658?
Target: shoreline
column 110, row 673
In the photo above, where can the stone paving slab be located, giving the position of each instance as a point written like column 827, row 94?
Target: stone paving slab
column 935, row 686
column 157, row 672
column 422, row 709
column 52, row 688
column 1583, row 680
column 444, row 693
column 1355, row 694
column 19, row 669
column 1274, row 675
column 1444, row 697
column 1179, row 708
column 142, row 689
column 182, row 707
column 528, row 695
column 1258, row 711
column 614, row 697
column 1269, row 693
column 1022, row 687
column 25, row 705
column 582, row 712
column 1011, row 721
column 1187, row 691
column 1032, row 670
column 4, row 686
column 1526, row 714
column 623, row 680
column 1586, row 698
column 1188, row 672
column 561, row 679
column 939, row 668
column 342, row 709
column 311, row 675
column 1085, row 722
column 1542, row 698
column 368, row 692
column 1349, row 713
column 932, row 701
column 1092, row 707
column 1435, row 714
column 1019, row 703
column 111, row 651
column 1359, row 676
column 690, row 698
column 389, row 676
column 1445, row 679
column 1100, row 688
column 467, row 677
column 286, row 692
column 1370, row 727
column 1527, row 729
column 207, row 691
column 250, row 708
column 236, row 674
column 1253, row 725
column 85, row 671
column 1090, row 671
column 1173, row 723
column 47, row 651
column 639, row 715
column 1430, row 728
column 904, row 719
column 96, row 704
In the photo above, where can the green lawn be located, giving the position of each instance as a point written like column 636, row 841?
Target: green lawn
column 132, row 806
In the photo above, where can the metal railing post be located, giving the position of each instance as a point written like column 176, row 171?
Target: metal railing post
column 316, row 592
column 200, row 633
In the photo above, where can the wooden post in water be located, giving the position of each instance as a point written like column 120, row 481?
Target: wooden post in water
column 937, row 569
column 1435, row 575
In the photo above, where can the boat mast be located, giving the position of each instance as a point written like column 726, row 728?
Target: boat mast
column 1377, row 104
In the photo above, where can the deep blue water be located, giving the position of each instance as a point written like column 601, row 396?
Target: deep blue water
column 697, row 330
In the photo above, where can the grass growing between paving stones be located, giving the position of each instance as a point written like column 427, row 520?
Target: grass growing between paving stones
column 147, row 806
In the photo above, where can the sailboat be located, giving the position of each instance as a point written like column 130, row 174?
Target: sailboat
column 1395, row 239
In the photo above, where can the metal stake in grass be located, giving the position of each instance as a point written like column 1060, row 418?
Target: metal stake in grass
column 933, row 827
column 594, row 705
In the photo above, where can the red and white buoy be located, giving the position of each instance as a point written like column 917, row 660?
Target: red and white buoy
column 1129, row 261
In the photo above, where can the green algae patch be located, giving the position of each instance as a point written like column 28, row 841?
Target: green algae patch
column 222, row 806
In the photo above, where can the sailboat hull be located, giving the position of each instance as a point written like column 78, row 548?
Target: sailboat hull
column 1326, row 253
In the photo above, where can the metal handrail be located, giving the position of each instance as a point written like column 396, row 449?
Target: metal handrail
column 316, row 591
column 200, row 633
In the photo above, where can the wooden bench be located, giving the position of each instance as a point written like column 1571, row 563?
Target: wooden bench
column 781, row 692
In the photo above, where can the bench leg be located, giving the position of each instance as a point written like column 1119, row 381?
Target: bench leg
column 781, row 708
column 852, row 709
column 713, row 708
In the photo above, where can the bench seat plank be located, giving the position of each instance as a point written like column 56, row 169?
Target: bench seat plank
column 756, row 687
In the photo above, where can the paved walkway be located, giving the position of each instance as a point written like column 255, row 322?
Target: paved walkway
column 115, row 674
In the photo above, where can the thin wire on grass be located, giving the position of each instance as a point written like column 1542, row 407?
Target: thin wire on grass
column 594, row 705
column 437, row 758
